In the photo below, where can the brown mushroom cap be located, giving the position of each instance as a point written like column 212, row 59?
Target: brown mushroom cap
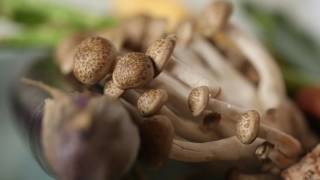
column 93, row 59
column 65, row 51
column 160, row 51
column 133, row 70
column 198, row 100
column 185, row 31
column 215, row 17
column 151, row 101
column 112, row 90
column 248, row 127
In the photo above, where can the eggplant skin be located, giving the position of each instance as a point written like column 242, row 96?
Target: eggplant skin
column 27, row 102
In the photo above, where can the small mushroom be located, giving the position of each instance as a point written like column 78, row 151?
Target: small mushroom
column 183, row 127
column 160, row 51
column 215, row 17
column 133, row 70
column 93, row 59
column 199, row 98
column 229, row 78
column 112, row 90
column 185, row 31
column 266, row 151
column 151, row 101
column 65, row 51
column 282, row 141
column 248, row 127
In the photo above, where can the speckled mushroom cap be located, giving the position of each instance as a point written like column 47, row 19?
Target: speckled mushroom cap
column 94, row 58
column 151, row 101
column 133, row 70
column 161, row 50
column 198, row 100
column 248, row 127
column 215, row 17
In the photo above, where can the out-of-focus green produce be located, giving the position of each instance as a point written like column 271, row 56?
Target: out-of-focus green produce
column 297, row 53
column 43, row 23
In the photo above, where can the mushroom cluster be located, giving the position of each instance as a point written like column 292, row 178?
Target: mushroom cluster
column 203, row 92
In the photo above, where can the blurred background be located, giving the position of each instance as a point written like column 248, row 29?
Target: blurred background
column 30, row 29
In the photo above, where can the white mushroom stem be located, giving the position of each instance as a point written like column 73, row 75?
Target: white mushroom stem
column 224, row 149
column 185, row 128
column 280, row 160
column 177, row 92
column 189, row 58
column 271, row 88
column 186, row 74
column 283, row 142
column 230, row 78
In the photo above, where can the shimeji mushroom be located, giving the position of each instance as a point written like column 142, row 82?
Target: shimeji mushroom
column 211, row 24
column 132, row 70
column 229, row 78
column 207, row 62
column 266, row 152
column 271, row 89
column 160, row 51
column 247, row 127
column 185, row 31
column 151, row 101
column 186, row 129
column 65, row 52
column 195, row 152
column 188, row 100
column 225, row 149
column 93, row 60
column 247, row 122
column 214, row 17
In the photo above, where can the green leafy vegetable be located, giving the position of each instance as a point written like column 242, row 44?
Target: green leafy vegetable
column 44, row 24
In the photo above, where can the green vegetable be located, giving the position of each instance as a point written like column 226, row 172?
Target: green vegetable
column 44, row 24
